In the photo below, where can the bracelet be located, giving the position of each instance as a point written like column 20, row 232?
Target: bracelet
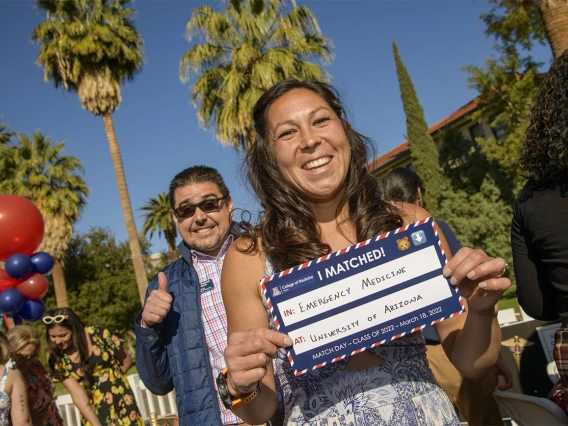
column 229, row 401
column 245, row 399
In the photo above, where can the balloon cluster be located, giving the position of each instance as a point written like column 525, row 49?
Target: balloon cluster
column 22, row 282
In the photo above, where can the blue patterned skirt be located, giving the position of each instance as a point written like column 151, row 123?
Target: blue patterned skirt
column 402, row 391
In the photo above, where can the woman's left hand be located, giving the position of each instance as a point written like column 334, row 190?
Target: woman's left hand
column 478, row 278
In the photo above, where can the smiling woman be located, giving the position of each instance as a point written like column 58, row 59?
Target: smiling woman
column 310, row 146
column 308, row 168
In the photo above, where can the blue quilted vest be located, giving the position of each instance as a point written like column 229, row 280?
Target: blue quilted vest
column 179, row 358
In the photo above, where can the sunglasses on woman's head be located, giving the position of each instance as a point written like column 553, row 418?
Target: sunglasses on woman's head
column 55, row 319
column 206, row 206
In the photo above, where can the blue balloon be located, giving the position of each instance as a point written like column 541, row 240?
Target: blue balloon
column 42, row 262
column 18, row 265
column 32, row 310
column 11, row 300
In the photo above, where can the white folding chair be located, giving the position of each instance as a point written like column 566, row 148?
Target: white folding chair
column 507, row 316
column 147, row 403
column 70, row 414
column 163, row 405
column 527, row 410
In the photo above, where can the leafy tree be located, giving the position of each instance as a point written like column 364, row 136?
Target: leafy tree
column 246, row 49
column 460, row 181
column 158, row 218
column 479, row 196
column 483, row 173
column 423, row 151
column 522, row 22
column 92, row 47
column 99, row 272
column 507, row 85
column 509, row 81
column 40, row 171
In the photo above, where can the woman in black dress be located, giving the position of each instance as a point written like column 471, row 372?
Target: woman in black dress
column 92, row 364
column 539, row 232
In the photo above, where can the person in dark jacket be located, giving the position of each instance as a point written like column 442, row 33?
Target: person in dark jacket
column 473, row 399
column 181, row 332
column 539, row 234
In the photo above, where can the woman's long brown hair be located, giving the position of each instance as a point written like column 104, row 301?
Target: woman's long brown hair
column 77, row 328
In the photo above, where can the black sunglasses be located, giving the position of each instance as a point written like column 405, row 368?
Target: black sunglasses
column 206, row 206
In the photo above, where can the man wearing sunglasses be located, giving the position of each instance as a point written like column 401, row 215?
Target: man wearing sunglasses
column 181, row 332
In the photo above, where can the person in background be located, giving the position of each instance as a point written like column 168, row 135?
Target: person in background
column 403, row 185
column 92, row 364
column 24, row 345
column 472, row 398
column 13, row 399
column 307, row 165
column 539, row 233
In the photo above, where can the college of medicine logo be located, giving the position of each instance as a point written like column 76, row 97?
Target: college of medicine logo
column 276, row 292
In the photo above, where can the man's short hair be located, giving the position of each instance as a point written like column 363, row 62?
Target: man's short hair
column 196, row 174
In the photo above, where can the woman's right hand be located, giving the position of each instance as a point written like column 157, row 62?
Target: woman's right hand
column 247, row 356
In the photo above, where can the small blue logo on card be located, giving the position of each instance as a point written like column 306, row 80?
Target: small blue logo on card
column 418, row 238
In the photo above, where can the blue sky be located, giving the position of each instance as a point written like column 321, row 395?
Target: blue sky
column 156, row 124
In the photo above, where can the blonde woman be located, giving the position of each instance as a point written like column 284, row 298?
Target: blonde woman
column 13, row 399
column 25, row 344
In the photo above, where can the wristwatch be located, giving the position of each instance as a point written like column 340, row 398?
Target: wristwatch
column 229, row 401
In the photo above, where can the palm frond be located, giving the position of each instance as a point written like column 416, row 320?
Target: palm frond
column 247, row 48
column 158, row 218
column 83, row 42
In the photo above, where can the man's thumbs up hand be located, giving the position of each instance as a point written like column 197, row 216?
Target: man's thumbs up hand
column 158, row 303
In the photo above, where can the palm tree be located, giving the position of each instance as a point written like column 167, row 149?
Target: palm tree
column 555, row 19
column 91, row 47
column 40, row 171
column 158, row 217
column 247, row 48
column 5, row 134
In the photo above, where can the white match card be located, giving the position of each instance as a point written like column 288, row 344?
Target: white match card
column 362, row 296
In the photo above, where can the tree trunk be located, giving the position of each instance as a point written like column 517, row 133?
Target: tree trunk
column 135, row 251
column 59, row 285
column 173, row 253
column 555, row 18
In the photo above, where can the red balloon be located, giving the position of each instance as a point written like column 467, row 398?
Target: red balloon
column 34, row 287
column 21, row 226
column 6, row 281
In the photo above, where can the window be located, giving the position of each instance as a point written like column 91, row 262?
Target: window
column 500, row 130
column 476, row 131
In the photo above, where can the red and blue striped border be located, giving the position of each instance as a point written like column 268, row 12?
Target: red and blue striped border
column 339, row 253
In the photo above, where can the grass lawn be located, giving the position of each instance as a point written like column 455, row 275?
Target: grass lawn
column 509, row 300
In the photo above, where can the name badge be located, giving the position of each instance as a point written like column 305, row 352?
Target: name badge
column 206, row 285
column 362, row 296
